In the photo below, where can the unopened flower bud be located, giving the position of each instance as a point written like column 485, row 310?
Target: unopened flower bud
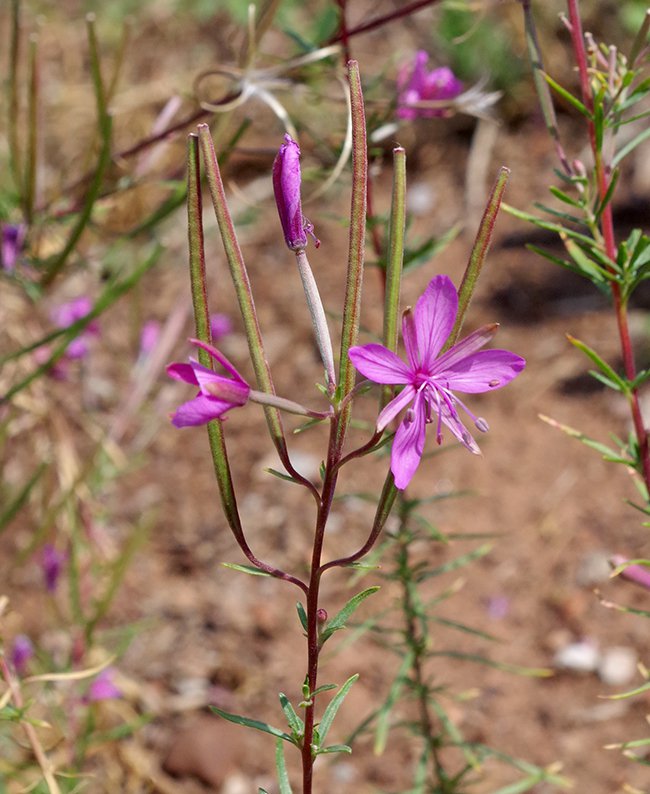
column 286, row 186
column 321, row 615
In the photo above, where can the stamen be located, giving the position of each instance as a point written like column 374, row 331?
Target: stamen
column 482, row 425
column 494, row 383
column 409, row 416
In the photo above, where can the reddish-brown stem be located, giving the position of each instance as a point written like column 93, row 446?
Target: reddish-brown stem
column 384, row 19
column 603, row 177
column 343, row 30
column 313, row 647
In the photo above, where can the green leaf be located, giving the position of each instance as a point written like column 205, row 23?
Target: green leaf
column 302, row 615
column 457, row 562
column 281, row 475
column 617, row 381
column 340, row 619
column 333, row 707
column 16, row 504
column 296, row 725
column 532, row 672
column 249, row 723
column 383, row 713
column 250, row 569
column 565, row 198
column 566, row 95
column 281, row 768
column 335, row 748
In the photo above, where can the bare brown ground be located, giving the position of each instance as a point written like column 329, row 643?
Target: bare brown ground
column 208, row 634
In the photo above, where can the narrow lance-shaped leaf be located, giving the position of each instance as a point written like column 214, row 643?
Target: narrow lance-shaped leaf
column 478, row 254
column 281, row 768
column 296, row 725
column 354, row 280
column 333, row 707
column 249, row 723
column 341, row 618
column 302, row 615
column 616, row 380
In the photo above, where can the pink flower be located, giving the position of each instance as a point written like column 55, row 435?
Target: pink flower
column 12, row 238
column 103, row 687
column 220, row 326
column 52, row 562
column 69, row 313
column 286, row 186
column 416, row 84
column 149, row 336
column 217, row 393
column 429, row 379
column 22, row 651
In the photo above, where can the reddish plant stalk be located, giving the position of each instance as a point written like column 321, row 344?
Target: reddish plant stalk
column 313, row 644
column 603, row 171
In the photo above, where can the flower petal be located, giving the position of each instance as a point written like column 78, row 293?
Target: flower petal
column 394, row 407
column 182, row 372
column 379, row 364
column 484, row 371
column 199, row 411
column 434, row 315
column 408, row 445
column 470, row 344
column 232, row 390
column 216, row 354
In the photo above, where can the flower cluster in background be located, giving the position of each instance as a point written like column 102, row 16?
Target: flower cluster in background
column 425, row 93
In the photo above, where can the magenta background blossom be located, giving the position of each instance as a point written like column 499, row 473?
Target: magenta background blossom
column 217, row 393
column 52, row 562
column 12, row 238
column 22, row 651
column 68, row 313
column 149, row 336
column 286, row 186
column 430, row 379
column 416, row 83
column 103, row 687
column 220, row 326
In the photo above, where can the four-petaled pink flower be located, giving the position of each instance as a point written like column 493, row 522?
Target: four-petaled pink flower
column 430, row 379
column 217, row 393
column 417, row 85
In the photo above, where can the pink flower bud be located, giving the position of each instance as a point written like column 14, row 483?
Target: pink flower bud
column 286, row 186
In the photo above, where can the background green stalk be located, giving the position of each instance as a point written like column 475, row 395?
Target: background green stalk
column 32, row 130
column 12, row 104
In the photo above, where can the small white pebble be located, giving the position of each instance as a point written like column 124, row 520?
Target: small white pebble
column 579, row 657
column 617, row 665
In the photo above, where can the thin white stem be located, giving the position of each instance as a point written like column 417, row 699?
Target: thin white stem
column 318, row 318
column 263, row 398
